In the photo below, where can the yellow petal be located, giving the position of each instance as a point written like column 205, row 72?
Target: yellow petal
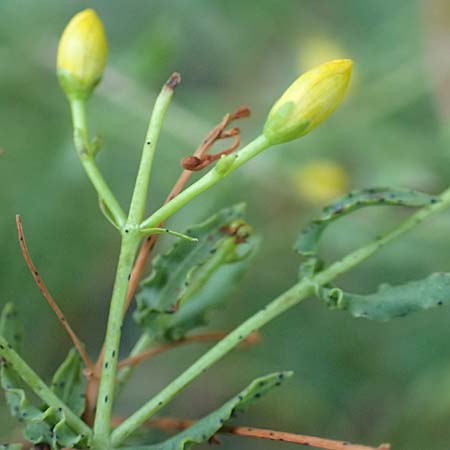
column 82, row 54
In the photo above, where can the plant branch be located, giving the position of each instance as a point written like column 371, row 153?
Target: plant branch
column 206, row 337
column 209, row 179
column 215, row 134
column 131, row 239
column 40, row 388
column 138, row 201
column 86, row 155
column 43, row 288
column 170, row 424
column 285, row 301
column 234, row 338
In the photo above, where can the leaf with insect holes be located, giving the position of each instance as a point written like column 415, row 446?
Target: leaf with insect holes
column 392, row 301
column 308, row 241
column 173, row 298
column 206, row 428
column 69, row 382
column 42, row 425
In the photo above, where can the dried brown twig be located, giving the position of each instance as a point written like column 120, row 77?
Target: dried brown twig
column 43, row 288
column 172, row 424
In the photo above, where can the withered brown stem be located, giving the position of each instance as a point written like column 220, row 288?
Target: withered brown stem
column 173, row 424
column 50, row 300
column 206, row 337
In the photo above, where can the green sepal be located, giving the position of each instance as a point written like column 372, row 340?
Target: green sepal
column 206, row 428
column 73, row 87
column 392, row 301
column 173, row 297
column 280, row 127
column 308, row 241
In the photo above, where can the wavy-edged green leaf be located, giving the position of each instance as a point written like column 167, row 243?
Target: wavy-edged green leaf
column 69, row 382
column 44, row 424
column 207, row 427
column 308, row 241
column 171, row 299
column 392, row 301
column 36, row 430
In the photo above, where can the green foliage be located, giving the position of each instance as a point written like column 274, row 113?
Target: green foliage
column 205, row 428
column 69, row 382
column 192, row 278
column 42, row 424
column 308, row 241
column 11, row 446
column 392, row 301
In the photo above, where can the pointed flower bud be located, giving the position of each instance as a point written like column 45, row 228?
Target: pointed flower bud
column 308, row 101
column 82, row 54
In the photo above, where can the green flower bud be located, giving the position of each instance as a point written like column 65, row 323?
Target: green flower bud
column 82, row 55
column 308, row 101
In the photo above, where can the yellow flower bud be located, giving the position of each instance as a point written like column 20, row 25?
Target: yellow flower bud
column 308, row 101
column 82, row 54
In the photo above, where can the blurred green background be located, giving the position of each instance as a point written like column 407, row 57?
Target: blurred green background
column 354, row 379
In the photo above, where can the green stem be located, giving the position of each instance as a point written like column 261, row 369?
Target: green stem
column 130, row 244
column 285, row 301
column 138, row 201
column 81, row 139
column 40, row 388
column 131, row 237
column 212, row 177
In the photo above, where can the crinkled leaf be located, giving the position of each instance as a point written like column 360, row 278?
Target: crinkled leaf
column 69, row 382
column 12, row 331
column 38, row 433
column 194, row 314
column 65, row 437
column 392, row 301
column 308, row 240
column 38, row 422
column 207, row 427
column 179, row 275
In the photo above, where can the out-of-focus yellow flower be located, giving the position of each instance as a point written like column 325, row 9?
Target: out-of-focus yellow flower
column 318, row 49
column 82, row 54
column 308, row 101
column 320, row 181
